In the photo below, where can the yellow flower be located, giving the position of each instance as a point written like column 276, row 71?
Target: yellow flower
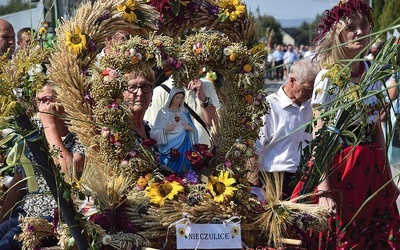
column 235, row 231
column 181, row 232
column 76, row 41
column 232, row 56
column 128, row 10
column 220, row 187
column 247, row 68
column 42, row 31
column 159, row 192
column 141, row 183
column 232, row 8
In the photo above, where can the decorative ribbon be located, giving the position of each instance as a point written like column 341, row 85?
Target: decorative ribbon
column 185, row 220
column 18, row 155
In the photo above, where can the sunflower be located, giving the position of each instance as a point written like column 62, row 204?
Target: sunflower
column 159, row 192
column 232, row 9
column 220, row 187
column 128, row 10
column 42, row 31
column 181, row 232
column 77, row 41
column 235, row 231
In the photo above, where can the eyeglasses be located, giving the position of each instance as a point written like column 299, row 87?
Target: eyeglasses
column 45, row 99
column 133, row 89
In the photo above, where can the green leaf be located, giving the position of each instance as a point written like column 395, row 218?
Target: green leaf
column 222, row 17
column 82, row 196
column 140, row 17
column 67, row 194
column 175, row 7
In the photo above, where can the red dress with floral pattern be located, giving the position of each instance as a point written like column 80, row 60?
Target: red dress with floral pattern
column 367, row 215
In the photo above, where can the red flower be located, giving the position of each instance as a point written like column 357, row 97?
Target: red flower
column 174, row 177
column 149, row 142
column 174, row 153
column 203, row 149
column 193, row 156
column 103, row 219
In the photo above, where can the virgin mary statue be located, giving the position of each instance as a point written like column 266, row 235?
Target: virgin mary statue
column 174, row 132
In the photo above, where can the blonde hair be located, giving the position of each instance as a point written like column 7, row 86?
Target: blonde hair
column 330, row 47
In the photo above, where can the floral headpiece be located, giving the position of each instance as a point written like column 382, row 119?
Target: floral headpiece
column 342, row 10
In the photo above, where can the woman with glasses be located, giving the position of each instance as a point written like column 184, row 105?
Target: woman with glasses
column 138, row 98
column 174, row 132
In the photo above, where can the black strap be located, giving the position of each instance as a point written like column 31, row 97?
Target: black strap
column 191, row 111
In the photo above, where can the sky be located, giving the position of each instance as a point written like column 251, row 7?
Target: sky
column 290, row 9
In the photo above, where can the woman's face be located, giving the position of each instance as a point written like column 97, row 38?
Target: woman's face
column 356, row 29
column 177, row 100
column 139, row 94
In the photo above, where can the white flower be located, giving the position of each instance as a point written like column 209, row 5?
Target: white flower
column 106, row 240
column 228, row 50
column 35, row 69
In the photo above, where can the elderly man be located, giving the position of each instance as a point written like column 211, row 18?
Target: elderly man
column 7, row 38
column 284, row 129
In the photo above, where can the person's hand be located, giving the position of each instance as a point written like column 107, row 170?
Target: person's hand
column 49, row 113
column 326, row 200
column 197, row 87
column 169, row 128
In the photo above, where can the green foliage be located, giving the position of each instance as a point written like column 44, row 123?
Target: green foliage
column 390, row 12
column 266, row 24
column 15, row 6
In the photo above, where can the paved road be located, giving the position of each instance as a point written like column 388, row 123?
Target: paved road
column 272, row 86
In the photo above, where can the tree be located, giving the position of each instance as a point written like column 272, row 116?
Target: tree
column 306, row 32
column 15, row 6
column 377, row 6
column 390, row 13
column 268, row 25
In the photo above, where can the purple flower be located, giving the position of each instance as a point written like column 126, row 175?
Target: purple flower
column 106, row 15
column 88, row 97
column 228, row 163
column 178, row 65
column 114, row 105
column 133, row 154
column 30, row 228
column 92, row 46
column 213, row 10
column 191, row 177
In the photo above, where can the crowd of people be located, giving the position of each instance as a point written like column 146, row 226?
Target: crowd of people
column 179, row 118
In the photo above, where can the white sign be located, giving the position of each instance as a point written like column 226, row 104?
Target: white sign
column 208, row 236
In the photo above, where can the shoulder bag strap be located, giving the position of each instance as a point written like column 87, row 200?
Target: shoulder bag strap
column 191, row 111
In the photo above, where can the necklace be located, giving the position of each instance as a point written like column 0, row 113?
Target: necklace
column 174, row 110
column 360, row 72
